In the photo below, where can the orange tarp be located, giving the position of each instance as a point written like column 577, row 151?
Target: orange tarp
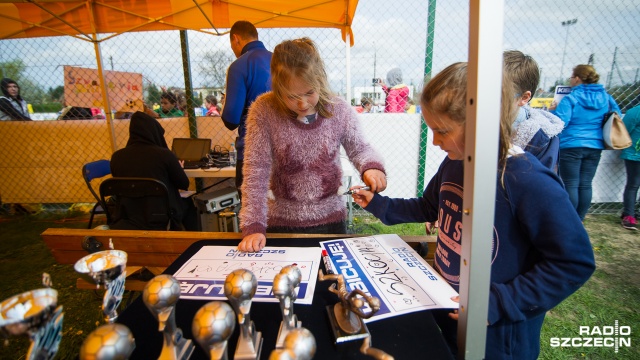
column 83, row 18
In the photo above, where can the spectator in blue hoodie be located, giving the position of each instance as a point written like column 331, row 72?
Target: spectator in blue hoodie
column 581, row 145
column 631, row 157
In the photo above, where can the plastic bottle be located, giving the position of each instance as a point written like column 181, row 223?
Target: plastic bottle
column 233, row 155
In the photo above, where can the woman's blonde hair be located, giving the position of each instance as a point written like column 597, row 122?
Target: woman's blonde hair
column 300, row 59
column 446, row 93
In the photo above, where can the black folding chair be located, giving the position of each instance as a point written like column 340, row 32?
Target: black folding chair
column 140, row 204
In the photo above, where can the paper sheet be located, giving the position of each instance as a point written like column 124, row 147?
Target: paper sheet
column 203, row 276
column 385, row 266
column 560, row 92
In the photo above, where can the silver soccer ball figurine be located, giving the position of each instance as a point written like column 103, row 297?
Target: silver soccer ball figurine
column 212, row 326
column 108, row 342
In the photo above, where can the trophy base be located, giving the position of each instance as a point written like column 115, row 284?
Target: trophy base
column 283, row 332
column 249, row 349
column 185, row 349
column 343, row 336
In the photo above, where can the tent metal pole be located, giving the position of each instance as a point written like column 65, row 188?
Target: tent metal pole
column 101, row 77
column 486, row 22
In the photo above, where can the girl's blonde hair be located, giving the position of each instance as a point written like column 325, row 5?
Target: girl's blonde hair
column 300, row 59
column 446, row 94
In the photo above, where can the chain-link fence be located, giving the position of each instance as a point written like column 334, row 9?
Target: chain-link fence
column 40, row 161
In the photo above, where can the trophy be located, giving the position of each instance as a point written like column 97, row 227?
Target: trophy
column 160, row 295
column 373, row 352
column 346, row 316
column 302, row 343
column 107, row 268
column 239, row 287
column 212, row 326
column 34, row 313
column 107, row 342
column 285, row 286
column 299, row 345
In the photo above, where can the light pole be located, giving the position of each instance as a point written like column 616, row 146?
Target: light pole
column 566, row 37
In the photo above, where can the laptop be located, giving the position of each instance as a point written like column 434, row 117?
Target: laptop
column 192, row 152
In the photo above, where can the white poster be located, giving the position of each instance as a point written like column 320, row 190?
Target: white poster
column 386, row 267
column 202, row 277
column 561, row 92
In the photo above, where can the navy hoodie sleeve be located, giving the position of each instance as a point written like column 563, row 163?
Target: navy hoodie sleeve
column 399, row 211
column 564, row 256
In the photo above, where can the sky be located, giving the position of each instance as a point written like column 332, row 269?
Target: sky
column 387, row 34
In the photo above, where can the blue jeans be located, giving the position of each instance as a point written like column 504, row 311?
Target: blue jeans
column 630, row 195
column 577, row 168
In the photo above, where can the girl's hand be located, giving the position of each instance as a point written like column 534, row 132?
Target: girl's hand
column 454, row 314
column 376, row 180
column 252, row 243
column 362, row 197
column 431, row 228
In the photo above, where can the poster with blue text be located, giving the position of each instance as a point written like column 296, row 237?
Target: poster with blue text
column 386, row 267
column 202, row 277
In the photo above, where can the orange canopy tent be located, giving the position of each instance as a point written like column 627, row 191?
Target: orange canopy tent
column 84, row 19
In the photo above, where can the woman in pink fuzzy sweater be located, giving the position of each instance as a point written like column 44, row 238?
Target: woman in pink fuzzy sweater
column 292, row 172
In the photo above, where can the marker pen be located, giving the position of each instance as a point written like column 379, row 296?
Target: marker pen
column 327, row 262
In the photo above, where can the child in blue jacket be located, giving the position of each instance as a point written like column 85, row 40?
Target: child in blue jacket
column 541, row 253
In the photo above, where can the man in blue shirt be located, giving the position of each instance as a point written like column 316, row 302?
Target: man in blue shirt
column 248, row 76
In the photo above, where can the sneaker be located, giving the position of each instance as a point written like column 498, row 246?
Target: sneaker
column 629, row 222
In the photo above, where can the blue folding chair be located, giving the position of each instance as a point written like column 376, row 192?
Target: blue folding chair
column 95, row 170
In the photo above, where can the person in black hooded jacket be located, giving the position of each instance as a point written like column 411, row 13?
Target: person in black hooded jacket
column 12, row 105
column 147, row 155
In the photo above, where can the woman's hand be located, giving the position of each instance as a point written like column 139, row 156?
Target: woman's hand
column 376, row 180
column 252, row 243
column 553, row 106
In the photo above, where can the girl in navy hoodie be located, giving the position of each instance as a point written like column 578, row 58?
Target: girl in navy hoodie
column 541, row 253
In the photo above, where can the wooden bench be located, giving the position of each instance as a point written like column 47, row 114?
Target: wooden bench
column 154, row 251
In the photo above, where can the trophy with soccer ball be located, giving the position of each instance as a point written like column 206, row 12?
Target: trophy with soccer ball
column 240, row 287
column 160, row 295
column 107, row 342
column 106, row 268
column 212, row 326
column 299, row 344
column 285, row 286
column 34, row 313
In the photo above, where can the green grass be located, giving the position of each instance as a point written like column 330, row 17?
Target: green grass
column 24, row 257
column 612, row 293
